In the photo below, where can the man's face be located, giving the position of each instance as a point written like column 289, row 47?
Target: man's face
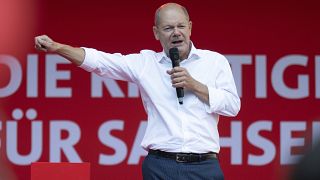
column 174, row 30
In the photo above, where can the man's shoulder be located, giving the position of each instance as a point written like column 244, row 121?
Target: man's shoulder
column 209, row 53
column 148, row 51
column 150, row 54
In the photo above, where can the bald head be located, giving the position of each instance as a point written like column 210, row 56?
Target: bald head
column 166, row 7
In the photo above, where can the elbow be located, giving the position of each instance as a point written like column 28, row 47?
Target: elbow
column 233, row 108
column 236, row 107
column 236, row 110
column 226, row 105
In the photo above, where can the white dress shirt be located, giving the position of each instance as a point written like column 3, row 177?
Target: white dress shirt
column 191, row 127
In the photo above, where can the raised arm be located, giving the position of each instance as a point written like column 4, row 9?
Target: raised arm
column 74, row 54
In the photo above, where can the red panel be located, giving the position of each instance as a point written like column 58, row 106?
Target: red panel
column 61, row 171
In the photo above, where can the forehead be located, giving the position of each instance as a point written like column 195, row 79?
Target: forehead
column 172, row 16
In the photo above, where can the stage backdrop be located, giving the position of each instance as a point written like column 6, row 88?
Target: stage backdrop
column 53, row 111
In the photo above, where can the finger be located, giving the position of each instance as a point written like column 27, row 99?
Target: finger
column 45, row 43
column 170, row 71
column 178, row 74
column 178, row 69
column 41, row 48
column 39, row 45
column 178, row 80
column 43, row 38
column 35, row 41
column 180, row 84
column 38, row 41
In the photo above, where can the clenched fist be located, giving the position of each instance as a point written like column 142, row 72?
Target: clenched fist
column 44, row 43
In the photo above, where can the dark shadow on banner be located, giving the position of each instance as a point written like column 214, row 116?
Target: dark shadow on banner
column 308, row 167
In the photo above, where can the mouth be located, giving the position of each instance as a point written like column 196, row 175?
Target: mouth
column 177, row 42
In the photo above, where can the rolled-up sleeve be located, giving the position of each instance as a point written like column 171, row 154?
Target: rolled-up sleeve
column 223, row 96
column 89, row 63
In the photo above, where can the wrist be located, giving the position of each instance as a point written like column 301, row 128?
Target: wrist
column 59, row 47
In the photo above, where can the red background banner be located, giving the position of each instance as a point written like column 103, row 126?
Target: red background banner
column 272, row 46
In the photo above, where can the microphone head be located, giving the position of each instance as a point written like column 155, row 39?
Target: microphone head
column 174, row 54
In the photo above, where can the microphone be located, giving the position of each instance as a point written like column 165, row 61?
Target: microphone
column 174, row 56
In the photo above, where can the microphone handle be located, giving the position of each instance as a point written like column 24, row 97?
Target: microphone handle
column 180, row 94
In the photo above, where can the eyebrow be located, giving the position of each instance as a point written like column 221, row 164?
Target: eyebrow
column 168, row 25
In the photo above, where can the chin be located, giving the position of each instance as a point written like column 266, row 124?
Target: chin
column 182, row 48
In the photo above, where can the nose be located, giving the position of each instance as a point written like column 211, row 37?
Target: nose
column 176, row 32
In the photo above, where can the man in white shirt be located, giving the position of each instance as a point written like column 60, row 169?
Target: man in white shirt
column 182, row 140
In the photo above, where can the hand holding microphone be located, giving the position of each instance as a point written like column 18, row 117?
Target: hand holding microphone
column 176, row 77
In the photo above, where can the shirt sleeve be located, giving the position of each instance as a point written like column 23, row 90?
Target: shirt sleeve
column 223, row 96
column 115, row 66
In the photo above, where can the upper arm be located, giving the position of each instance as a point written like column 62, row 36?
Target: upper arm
column 115, row 66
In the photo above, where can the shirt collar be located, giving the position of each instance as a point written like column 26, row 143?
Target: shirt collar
column 193, row 55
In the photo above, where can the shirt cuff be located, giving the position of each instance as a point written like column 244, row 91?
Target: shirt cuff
column 214, row 99
column 89, row 62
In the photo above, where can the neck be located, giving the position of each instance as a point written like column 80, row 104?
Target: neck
column 186, row 55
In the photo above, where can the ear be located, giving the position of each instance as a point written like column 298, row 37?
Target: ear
column 155, row 32
column 190, row 26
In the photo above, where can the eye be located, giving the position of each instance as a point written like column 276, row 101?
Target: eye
column 167, row 29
